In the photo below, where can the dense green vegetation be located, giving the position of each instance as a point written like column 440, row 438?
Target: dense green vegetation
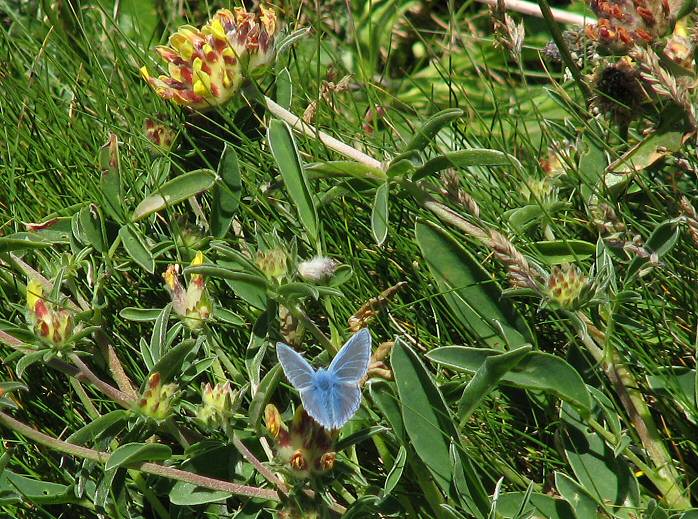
column 505, row 202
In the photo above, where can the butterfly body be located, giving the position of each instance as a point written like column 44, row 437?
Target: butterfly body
column 330, row 396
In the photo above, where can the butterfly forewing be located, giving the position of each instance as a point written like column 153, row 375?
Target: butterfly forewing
column 298, row 371
column 351, row 363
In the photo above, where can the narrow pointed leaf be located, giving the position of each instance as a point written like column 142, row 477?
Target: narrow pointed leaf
column 134, row 243
column 283, row 147
column 226, row 192
column 474, row 298
column 379, row 214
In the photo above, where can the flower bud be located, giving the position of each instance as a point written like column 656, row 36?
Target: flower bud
column 305, row 448
column 157, row 399
column 217, row 404
column 318, row 269
column 625, row 23
column 327, row 461
column 272, row 420
column 161, row 136
column 567, row 287
column 272, row 262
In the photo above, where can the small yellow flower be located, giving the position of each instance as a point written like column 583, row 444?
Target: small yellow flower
column 52, row 324
column 193, row 305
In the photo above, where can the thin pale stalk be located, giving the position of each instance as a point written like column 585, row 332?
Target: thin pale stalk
column 301, row 126
column 531, row 9
column 149, row 468
column 116, row 395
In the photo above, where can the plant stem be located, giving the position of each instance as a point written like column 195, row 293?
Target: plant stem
column 625, row 385
column 116, row 395
column 264, row 471
column 562, row 47
column 149, row 468
column 115, row 367
column 301, row 126
column 299, row 314
column 529, row 8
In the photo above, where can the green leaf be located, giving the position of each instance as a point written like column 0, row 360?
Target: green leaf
column 134, row 243
column 227, row 316
column 604, row 476
column 579, row 499
column 132, row 453
column 251, row 288
column 171, row 362
column 226, row 192
column 36, row 491
column 91, row 224
column 427, row 131
column 661, row 241
column 486, row 379
column 22, row 241
column 283, row 147
column 464, row 481
column 538, row 371
column 131, row 313
column 539, row 506
column 90, row 432
column 110, row 181
column 401, row 168
column 358, row 437
column 474, row 298
column 174, row 191
column 296, row 290
column 384, row 397
column 284, row 89
column 157, row 338
column 28, row 360
column 395, row 473
column 379, row 214
column 465, row 158
column 262, row 397
column 344, row 168
column 564, row 251
column 187, row 494
column 678, row 384
column 427, row 419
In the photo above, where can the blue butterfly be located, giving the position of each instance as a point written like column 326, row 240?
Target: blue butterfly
column 331, row 396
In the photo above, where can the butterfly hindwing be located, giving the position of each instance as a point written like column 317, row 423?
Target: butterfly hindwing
column 351, row 363
column 298, row 371
column 344, row 402
column 317, row 404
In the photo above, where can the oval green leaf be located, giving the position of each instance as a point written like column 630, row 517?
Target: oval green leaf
column 226, row 192
column 426, row 133
column 379, row 214
column 174, row 191
column 133, row 453
column 465, row 158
